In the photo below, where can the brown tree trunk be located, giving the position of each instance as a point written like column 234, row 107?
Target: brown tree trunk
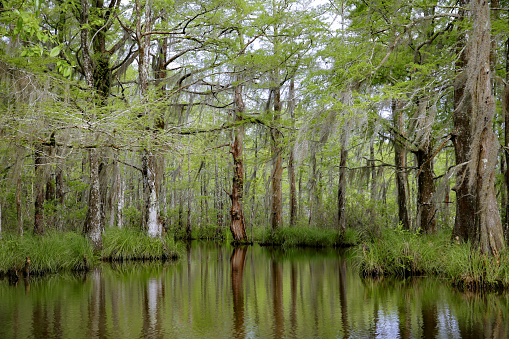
column 342, row 189
column 426, row 210
column 400, row 156
column 238, row 226
column 277, row 169
column 506, row 139
column 291, row 165
column 476, row 110
column 462, row 139
column 39, row 163
column 18, row 205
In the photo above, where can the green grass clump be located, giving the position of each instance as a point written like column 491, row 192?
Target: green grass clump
column 396, row 252
column 49, row 253
column 305, row 237
column 401, row 253
column 128, row 244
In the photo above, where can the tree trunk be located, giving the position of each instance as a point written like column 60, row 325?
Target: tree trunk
column 238, row 226
column 18, row 205
column 151, row 200
column 476, row 110
column 151, row 177
column 291, row 168
column 39, row 163
column 506, row 139
column 342, row 189
column 462, row 140
column 426, row 210
column 400, row 162
column 94, row 223
column 277, row 169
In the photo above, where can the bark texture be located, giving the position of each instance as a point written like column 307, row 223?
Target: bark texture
column 473, row 122
column 238, row 226
column 400, row 157
column 277, row 166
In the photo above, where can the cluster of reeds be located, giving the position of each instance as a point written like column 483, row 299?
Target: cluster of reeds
column 396, row 252
column 129, row 244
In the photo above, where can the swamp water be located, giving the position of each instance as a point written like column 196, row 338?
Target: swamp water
column 215, row 291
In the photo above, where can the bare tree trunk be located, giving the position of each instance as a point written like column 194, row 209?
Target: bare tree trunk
column 151, row 177
column 40, row 179
column 94, row 223
column 18, row 205
column 277, row 166
column 400, row 156
column 291, row 168
column 238, row 226
column 342, row 189
column 189, row 193
column 506, row 138
column 426, row 210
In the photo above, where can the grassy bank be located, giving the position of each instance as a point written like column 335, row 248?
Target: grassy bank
column 50, row 253
column 399, row 253
column 65, row 251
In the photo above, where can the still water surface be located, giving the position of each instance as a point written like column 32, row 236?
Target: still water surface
column 215, row 291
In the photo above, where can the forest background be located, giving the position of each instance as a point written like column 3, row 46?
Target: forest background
column 209, row 118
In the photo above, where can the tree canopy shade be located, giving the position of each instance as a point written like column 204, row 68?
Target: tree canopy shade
column 141, row 113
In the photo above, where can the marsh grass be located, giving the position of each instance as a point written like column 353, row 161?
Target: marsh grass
column 128, row 244
column 397, row 252
column 288, row 237
column 49, row 253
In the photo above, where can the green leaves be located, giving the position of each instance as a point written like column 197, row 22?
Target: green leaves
column 54, row 52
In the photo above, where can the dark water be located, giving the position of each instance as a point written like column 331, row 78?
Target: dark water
column 216, row 292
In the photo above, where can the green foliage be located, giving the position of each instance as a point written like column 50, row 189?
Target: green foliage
column 50, row 253
column 128, row 244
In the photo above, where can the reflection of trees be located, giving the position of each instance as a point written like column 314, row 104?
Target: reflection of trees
column 277, row 295
column 293, row 306
column 97, row 307
column 237, row 261
column 342, row 298
column 152, row 308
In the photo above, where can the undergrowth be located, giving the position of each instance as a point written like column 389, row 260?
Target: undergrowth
column 396, row 252
column 128, row 244
column 287, row 237
column 49, row 253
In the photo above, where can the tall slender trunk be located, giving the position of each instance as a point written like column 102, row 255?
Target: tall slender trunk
column 462, row 140
column 151, row 178
column 506, row 138
column 238, row 226
column 342, row 189
column 277, row 166
column 39, row 169
column 400, row 156
column 18, row 205
column 189, row 198
column 93, row 223
column 291, row 165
